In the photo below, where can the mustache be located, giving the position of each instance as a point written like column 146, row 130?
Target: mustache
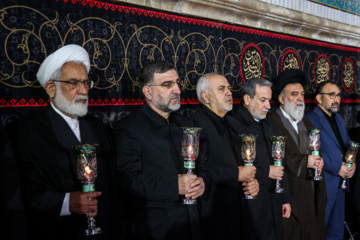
column 175, row 96
column 300, row 104
column 81, row 97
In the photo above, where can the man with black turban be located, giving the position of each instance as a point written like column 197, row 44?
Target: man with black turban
column 307, row 220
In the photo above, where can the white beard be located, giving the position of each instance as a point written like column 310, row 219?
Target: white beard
column 296, row 112
column 71, row 107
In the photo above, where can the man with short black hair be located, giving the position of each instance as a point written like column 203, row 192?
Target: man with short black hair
column 334, row 143
column 299, row 164
column 150, row 163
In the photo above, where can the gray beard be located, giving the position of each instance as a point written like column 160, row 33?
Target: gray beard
column 296, row 113
column 168, row 107
column 70, row 107
column 256, row 115
column 229, row 108
column 331, row 109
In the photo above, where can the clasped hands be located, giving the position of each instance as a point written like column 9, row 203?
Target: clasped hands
column 191, row 186
column 276, row 172
column 315, row 162
column 347, row 171
column 84, row 203
column 249, row 182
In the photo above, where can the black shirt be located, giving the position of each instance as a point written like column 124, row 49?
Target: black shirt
column 332, row 121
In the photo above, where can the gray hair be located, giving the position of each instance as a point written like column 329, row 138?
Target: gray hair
column 203, row 86
column 249, row 87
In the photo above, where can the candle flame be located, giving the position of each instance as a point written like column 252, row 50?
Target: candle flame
column 88, row 170
column 248, row 153
column 315, row 147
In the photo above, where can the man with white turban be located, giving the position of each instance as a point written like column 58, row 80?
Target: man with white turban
column 57, row 208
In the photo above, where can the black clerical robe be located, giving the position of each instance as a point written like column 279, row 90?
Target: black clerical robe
column 44, row 142
column 307, row 220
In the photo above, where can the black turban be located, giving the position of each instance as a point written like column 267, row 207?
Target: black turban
column 286, row 77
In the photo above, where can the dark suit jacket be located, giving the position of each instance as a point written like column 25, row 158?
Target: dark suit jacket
column 305, row 192
column 221, row 211
column 354, row 134
column 262, row 217
column 12, row 216
column 44, row 142
column 330, row 149
column 149, row 159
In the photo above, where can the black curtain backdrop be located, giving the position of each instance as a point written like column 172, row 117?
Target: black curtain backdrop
column 121, row 38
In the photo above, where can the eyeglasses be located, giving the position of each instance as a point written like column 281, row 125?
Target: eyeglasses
column 77, row 83
column 333, row 95
column 167, row 84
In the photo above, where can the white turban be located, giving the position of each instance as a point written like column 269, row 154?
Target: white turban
column 57, row 59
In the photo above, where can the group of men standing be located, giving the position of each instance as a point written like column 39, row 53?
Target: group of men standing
column 141, row 168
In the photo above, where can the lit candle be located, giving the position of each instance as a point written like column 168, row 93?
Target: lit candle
column 190, row 152
column 248, row 154
column 314, row 144
column 88, row 171
column 278, row 156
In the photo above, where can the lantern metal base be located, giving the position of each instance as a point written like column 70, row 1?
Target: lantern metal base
column 92, row 229
column 278, row 188
column 248, row 197
column 343, row 184
column 317, row 176
column 189, row 201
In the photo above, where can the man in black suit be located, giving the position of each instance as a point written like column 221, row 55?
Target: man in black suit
column 57, row 207
column 12, row 216
column 220, row 145
column 262, row 217
column 150, row 164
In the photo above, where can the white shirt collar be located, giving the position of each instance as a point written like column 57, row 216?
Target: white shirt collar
column 293, row 122
column 72, row 122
